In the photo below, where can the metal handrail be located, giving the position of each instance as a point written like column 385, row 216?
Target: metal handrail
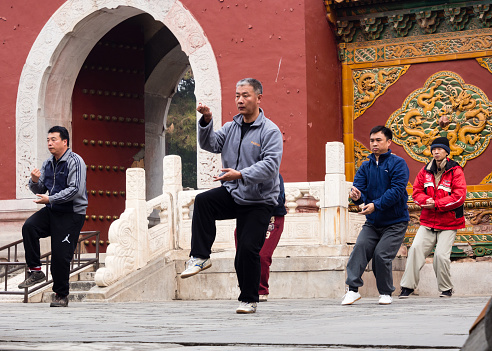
column 77, row 264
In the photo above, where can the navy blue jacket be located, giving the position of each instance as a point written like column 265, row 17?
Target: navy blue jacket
column 280, row 209
column 385, row 185
column 65, row 182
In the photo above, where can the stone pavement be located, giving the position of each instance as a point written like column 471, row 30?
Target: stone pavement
column 418, row 323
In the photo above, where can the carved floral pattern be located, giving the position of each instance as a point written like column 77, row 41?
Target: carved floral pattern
column 476, row 40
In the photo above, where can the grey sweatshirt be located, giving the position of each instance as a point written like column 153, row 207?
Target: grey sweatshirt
column 257, row 157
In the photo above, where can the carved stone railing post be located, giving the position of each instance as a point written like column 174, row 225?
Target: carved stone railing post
column 135, row 198
column 172, row 175
column 129, row 248
column 173, row 185
column 335, row 207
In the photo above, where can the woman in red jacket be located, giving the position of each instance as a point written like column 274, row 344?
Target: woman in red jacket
column 440, row 190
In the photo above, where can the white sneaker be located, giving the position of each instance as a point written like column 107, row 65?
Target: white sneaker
column 350, row 297
column 263, row 298
column 246, row 307
column 385, row 299
column 195, row 265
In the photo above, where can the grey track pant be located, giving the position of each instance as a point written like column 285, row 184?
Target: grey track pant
column 422, row 246
column 381, row 244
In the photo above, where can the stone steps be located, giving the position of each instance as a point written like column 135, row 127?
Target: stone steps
column 80, row 284
column 291, row 277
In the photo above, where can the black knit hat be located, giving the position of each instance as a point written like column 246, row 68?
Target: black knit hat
column 441, row 142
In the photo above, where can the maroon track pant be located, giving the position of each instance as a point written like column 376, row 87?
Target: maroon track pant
column 266, row 253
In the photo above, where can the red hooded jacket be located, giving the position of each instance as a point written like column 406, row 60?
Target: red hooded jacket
column 449, row 196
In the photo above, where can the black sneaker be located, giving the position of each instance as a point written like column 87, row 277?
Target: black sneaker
column 447, row 293
column 59, row 301
column 34, row 278
column 405, row 292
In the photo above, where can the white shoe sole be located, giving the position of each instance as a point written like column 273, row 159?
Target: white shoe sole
column 385, row 303
column 350, row 303
column 245, row 312
column 187, row 275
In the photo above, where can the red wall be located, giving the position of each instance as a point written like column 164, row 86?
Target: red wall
column 20, row 23
column 295, row 96
column 249, row 39
column 324, row 87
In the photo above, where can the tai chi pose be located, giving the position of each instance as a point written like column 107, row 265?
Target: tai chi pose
column 275, row 229
column 380, row 183
column 63, row 176
column 251, row 150
column 440, row 189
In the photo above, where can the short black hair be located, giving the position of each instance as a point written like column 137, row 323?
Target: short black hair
column 386, row 131
column 256, row 84
column 62, row 131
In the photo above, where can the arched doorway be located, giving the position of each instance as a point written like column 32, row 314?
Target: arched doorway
column 172, row 41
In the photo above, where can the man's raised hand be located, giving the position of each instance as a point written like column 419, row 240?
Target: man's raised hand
column 35, row 174
column 205, row 111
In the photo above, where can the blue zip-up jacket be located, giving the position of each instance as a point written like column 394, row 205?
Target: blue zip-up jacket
column 257, row 156
column 65, row 182
column 280, row 209
column 385, row 185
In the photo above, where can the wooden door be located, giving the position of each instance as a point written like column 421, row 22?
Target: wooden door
column 108, row 125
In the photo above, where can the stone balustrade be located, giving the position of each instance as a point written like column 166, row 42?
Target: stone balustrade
column 317, row 223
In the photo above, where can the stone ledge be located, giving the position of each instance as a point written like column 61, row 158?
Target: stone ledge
column 154, row 282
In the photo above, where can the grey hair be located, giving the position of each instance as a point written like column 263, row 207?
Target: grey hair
column 257, row 87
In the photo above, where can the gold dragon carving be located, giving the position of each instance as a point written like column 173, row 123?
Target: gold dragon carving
column 371, row 83
column 360, row 154
column 463, row 110
column 487, row 179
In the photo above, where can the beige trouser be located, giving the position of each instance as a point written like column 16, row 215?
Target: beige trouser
column 422, row 246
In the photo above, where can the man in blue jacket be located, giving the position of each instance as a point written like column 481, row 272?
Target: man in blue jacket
column 251, row 150
column 63, row 176
column 380, row 184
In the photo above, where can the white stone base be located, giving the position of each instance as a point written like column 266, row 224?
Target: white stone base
column 469, row 279
column 294, row 277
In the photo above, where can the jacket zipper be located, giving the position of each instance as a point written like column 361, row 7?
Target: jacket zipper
column 54, row 177
column 239, row 153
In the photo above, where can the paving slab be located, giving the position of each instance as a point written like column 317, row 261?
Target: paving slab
column 418, row 323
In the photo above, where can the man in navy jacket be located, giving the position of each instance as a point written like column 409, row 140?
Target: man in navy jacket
column 63, row 176
column 380, row 184
column 251, row 148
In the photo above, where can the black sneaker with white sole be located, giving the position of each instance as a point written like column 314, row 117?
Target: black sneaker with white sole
column 405, row 292
column 59, row 301
column 447, row 293
column 34, row 278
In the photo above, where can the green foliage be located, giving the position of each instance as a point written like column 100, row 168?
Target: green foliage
column 181, row 128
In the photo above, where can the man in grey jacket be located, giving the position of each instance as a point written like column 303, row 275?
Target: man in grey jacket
column 251, row 150
column 63, row 176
